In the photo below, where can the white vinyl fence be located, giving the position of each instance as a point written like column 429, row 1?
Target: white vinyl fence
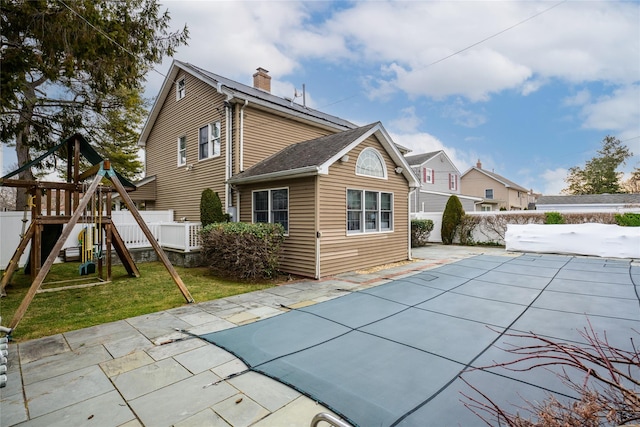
column 175, row 235
column 481, row 234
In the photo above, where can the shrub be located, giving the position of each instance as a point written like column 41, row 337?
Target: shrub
column 467, row 224
column 241, row 250
column 211, row 208
column 553, row 218
column 628, row 219
column 420, row 232
column 451, row 219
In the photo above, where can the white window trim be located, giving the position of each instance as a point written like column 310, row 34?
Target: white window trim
column 492, row 194
column 382, row 162
column 180, row 150
column 269, row 190
column 181, row 89
column 453, row 182
column 212, row 143
column 363, row 231
column 427, row 175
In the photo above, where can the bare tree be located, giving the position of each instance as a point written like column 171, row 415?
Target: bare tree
column 609, row 389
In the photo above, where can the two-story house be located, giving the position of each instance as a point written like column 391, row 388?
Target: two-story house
column 439, row 179
column 340, row 191
column 496, row 191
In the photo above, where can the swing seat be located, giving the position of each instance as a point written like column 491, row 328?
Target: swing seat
column 86, row 268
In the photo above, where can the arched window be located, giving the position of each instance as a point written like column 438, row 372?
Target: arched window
column 370, row 163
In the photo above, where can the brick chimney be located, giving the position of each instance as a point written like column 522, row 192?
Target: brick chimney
column 479, row 164
column 262, row 80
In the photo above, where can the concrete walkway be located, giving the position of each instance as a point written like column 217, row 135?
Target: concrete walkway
column 143, row 372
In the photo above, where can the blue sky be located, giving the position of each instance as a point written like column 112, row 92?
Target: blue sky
column 529, row 88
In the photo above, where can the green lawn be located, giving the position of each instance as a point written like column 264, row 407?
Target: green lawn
column 56, row 312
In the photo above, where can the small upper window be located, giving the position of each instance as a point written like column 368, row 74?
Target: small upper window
column 488, row 193
column 427, row 175
column 370, row 163
column 181, row 89
column 453, row 182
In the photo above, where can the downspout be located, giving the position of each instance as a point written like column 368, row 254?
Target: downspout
column 316, row 221
column 409, row 251
column 241, row 143
column 228, row 170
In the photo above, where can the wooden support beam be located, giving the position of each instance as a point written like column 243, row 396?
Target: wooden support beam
column 123, row 253
column 89, row 172
column 35, row 285
column 161, row 255
column 15, row 259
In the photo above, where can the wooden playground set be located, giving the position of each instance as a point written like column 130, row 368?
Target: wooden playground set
column 56, row 207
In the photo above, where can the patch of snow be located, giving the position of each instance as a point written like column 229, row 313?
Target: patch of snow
column 602, row 240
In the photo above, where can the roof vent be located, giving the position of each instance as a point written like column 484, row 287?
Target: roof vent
column 262, row 80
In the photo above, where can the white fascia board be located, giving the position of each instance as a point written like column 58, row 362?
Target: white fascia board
column 293, row 173
column 157, row 104
column 460, row 196
column 390, row 148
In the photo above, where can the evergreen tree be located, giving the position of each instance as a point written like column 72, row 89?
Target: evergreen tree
column 78, row 67
column 451, row 219
column 600, row 174
column 208, row 207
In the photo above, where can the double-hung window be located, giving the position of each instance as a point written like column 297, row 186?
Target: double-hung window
column 427, row 175
column 209, row 141
column 369, row 211
column 182, row 151
column 488, row 193
column 453, row 182
column 272, row 206
column 181, row 89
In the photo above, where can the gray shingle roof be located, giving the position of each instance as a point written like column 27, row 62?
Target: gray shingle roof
column 266, row 96
column 418, row 159
column 590, row 199
column 304, row 155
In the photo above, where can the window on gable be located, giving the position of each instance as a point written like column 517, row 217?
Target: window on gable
column 272, row 206
column 369, row 211
column 182, row 151
column 209, row 141
column 181, row 89
column 370, row 163
column 488, row 193
column 428, row 175
column 453, row 182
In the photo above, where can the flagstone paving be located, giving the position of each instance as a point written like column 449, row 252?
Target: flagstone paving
column 144, row 371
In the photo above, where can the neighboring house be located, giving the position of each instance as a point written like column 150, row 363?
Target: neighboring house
column 496, row 191
column 589, row 203
column 340, row 191
column 439, row 179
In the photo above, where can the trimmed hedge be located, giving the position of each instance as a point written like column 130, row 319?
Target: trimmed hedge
column 241, row 250
column 420, row 232
column 628, row 219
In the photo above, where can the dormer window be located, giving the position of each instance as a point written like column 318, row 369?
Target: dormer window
column 370, row 163
column 181, row 89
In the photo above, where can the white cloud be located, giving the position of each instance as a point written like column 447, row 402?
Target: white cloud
column 580, row 98
column 618, row 113
column 407, row 122
column 463, row 116
column 553, row 181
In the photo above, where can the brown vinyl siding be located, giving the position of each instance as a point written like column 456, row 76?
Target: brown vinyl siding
column 299, row 248
column 266, row 133
column 145, row 192
column 178, row 188
column 341, row 252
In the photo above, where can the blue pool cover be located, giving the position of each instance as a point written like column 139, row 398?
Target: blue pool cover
column 392, row 355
